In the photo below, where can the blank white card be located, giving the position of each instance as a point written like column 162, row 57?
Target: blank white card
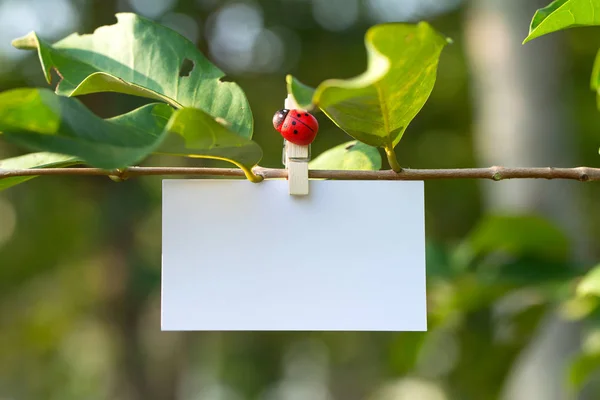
column 350, row 256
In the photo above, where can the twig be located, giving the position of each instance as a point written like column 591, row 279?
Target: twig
column 582, row 174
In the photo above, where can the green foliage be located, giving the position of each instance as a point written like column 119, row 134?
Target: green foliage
column 33, row 160
column 147, row 62
column 197, row 134
column 590, row 284
column 150, row 61
column 586, row 365
column 582, row 368
column 519, row 236
column 595, row 80
column 489, row 294
column 377, row 106
column 353, row 156
column 40, row 120
column 500, row 253
column 513, row 250
column 564, row 14
column 79, row 248
column 585, row 299
column 214, row 119
column 584, row 304
column 303, row 94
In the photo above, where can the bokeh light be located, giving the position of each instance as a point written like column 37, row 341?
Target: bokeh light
column 152, row 8
column 232, row 32
column 184, row 24
column 336, row 15
column 50, row 19
column 407, row 10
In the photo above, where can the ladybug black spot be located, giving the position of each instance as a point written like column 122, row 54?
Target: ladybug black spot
column 293, row 122
column 306, row 115
column 298, row 115
column 295, row 132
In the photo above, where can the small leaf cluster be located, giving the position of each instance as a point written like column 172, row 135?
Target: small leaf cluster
column 195, row 112
column 566, row 14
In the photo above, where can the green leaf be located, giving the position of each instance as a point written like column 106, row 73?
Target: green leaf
column 438, row 262
column 354, row 156
column 41, row 121
column 583, row 367
column 377, row 106
column 33, row 160
column 139, row 57
column 303, row 94
column 590, row 283
column 595, row 80
column 577, row 308
column 194, row 133
column 563, row 14
column 519, row 236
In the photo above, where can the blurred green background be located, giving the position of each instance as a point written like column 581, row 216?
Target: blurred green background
column 80, row 256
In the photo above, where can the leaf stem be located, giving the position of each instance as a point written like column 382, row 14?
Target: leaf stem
column 251, row 176
column 392, row 160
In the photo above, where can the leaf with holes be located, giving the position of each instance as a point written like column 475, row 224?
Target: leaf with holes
column 42, row 121
column 353, row 156
column 563, row 14
column 194, row 133
column 377, row 106
column 32, row 161
column 139, row 57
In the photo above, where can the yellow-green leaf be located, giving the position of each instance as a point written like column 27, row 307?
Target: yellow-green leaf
column 353, row 156
column 563, row 14
column 377, row 106
column 194, row 133
column 590, row 283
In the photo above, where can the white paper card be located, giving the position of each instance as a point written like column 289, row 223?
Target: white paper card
column 242, row 256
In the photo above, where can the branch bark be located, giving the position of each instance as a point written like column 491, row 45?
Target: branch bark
column 582, row 174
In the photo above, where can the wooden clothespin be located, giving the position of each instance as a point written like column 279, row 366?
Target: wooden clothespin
column 295, row 159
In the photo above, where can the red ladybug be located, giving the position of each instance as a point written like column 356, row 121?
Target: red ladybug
column 296, row 126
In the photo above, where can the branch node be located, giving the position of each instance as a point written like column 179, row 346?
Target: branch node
column 119, row 175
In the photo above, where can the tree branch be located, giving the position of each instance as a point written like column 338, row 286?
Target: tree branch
column 582, row 174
